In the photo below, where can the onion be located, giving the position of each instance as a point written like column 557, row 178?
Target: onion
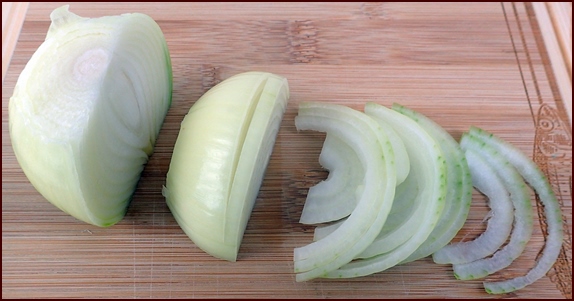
column 335, row 197
column 523, row 213
column 498, row 228
column 87, row 109
column 441, row 171
column 220, row 157
column 533, row 176
column 405, row 196
column 376, row 155
column 459, row 186
column 431, row 167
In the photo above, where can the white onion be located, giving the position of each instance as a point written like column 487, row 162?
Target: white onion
column 87, row 109
column 220, row 157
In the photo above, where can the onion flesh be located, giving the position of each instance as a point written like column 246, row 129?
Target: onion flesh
column 220, row 157
column 539, row 182
column 499, row 226
column 433, row 169
column 523, row 214
column 87, row 110
column 377, row 158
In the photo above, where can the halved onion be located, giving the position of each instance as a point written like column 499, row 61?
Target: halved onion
column 220, row 157
column 87, row 109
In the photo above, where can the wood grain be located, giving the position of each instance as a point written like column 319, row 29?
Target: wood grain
column 461, row 64
column 553, row 20
column 13, row 14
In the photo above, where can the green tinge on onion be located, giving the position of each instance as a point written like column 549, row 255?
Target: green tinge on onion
column 538, row 181
column 432, row 167
column 87, row 109
column 442, row 171
column 459, row 186
column 523, row 213
column 220, row 157
column 499, row 226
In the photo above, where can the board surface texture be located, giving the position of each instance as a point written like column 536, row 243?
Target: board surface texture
column 460, row 64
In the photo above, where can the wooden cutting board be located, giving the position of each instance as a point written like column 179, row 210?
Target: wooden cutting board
column 480, row 64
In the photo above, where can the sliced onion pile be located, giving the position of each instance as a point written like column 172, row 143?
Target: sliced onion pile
column 399, row 189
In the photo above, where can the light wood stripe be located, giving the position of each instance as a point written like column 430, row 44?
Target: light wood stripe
column 13, row 14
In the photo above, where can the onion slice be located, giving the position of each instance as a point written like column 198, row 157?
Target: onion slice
column 406, row 221
column 432, row 167
column 459, row 186
column 523, row 213
column 335, row 197
column 405, row 195
column 377, row 158
column 499, row 226
column 538, row 181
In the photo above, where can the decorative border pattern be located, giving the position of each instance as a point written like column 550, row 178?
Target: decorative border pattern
column 552, row 149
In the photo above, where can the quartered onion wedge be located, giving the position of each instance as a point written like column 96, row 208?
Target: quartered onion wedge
column 220, row 157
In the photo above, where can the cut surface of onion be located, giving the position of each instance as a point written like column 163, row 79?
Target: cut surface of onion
column 523, row 213
column 375, row 151
column 220, row 157
column 499, row 226
column 87, row 110
column 538, row 181
column 432, row 166
column 459, row 186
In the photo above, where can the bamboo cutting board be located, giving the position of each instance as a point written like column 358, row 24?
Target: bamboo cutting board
column 480, row 64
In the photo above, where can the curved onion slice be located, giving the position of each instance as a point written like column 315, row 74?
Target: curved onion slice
column 523, row 214
column 87, row 109
column 485, row 179
column 335, row 197
column 376, row 154
column 433, row 167
column 394, row 235
column 405, row 196
column 459, row 186
column 538, row 181
column 220, row 157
